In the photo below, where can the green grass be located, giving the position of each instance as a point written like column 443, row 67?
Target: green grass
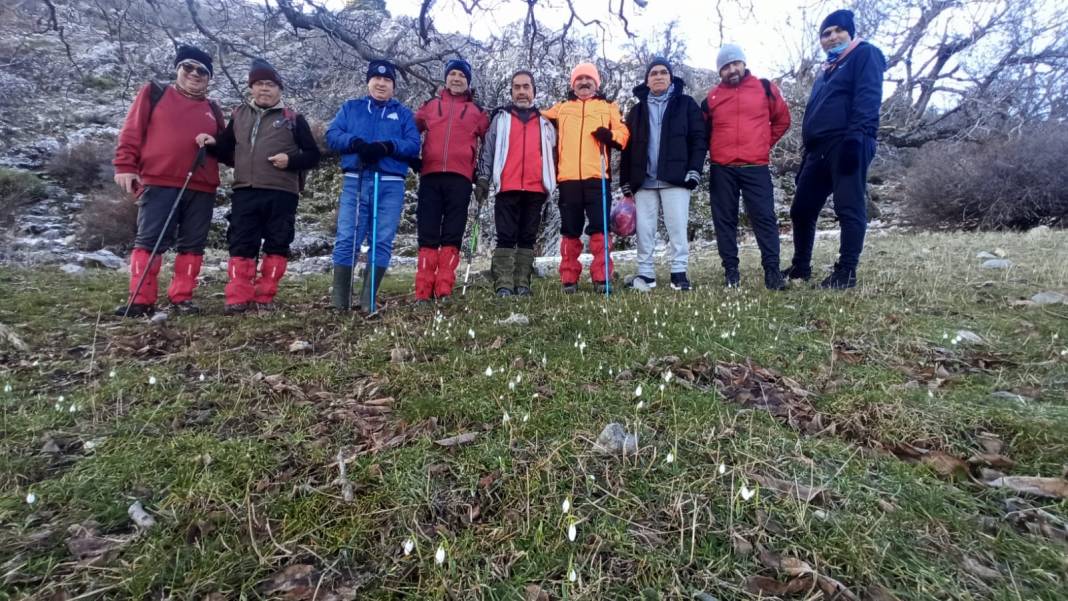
column 241, row 479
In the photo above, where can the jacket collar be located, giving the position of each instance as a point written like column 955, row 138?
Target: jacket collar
column 467, row 96
column 596, row 96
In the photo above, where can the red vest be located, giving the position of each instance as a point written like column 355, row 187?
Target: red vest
column 522, row 167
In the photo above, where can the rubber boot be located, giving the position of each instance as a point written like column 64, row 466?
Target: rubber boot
column 240, row 290
column 365, row 291
column 524, row 270
column 597, row 267
column 180, row 292
column 144, row 303
column 425, row 273
column 341, row 291
column 502, row 269
column 448, row 261
column 570, row 268
column 272, row 268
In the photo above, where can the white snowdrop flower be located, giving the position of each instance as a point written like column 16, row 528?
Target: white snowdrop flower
column 202, row 377
column 470, row 333
column 724, row 335
column 945, row 336
column 31, row 498
column 640, row 406
column 686, row 350
column 930, row 394
column 635, row 320
column 518, row 378
column 489, row 371
column 439, row 555
column 151, row 380
column 572, row 575
column 591, row 477
column 841, row 310
column 511, row 385
column 638, row 391
column 587, row 322
column 7, row 387
column 661, row 388
column 506, row 418
column 409, row 544
column 820, row 514
column 61, row 398
column 1064, row 353
column 73, row 408
column 670, row 457
column 544, row 361
column 693, row 329
column 572, row 532
column 582, row 346
column 746, row 493
column 89, row 445
column 668, row 375
column 722, row 469
column 526, row 417
column 566, row 505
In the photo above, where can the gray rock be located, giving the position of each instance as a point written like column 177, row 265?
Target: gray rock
column 72, row 269
column 614, row 439
column 159, row 318
column 969, row 337
column 311, row 266
column 1049, row 298
column 997, row 264
column 1035, row 232
column 986, row 255
column 104, row 259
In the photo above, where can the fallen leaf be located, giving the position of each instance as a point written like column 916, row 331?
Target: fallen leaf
column 945, row 465
column 990, row 443
column 459, row 439
column 300, row 346
column 536, row 593
column 992, row 460
column 294, row 583
column 975, row 568
column 88, row 546
column 878, row 593
column 741, row 546
column 764, row 585
column 1051, row 488
column 795, row 490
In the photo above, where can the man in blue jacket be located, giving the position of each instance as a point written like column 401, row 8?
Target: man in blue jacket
column 375, row 134
column 838, row 133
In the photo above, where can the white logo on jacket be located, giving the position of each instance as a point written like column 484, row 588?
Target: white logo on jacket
column 392, row 116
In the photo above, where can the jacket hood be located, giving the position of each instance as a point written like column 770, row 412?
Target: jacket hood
column 642, row 90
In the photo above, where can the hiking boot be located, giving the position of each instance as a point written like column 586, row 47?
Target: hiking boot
column 794, row 272
column 236, row 309
column 136, row 310
column 840, row 279
column 504, row 292
column 679, row 281
column 341, row 291
column 502, row 270
column 523, row 291
column 602, row 287
column 265, row 307
column 570, row 288
column 365, row 291
column 773, row 279
column 731, row 278
column 185, row 308
column 640, row 283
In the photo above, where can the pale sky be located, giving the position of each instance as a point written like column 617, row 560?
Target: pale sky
column 768, row 33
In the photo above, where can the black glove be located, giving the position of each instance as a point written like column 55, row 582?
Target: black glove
column 693, row 179
column 625, row 190
column 356, row 145
column 416, row 163
column 849, row 157
column 603, row 135
column 481, row 189
column 375, row 151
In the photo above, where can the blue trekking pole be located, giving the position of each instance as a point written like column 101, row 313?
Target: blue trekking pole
column 604, row 221
column 374, row 241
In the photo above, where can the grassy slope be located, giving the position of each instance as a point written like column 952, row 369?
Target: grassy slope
column 239, row 477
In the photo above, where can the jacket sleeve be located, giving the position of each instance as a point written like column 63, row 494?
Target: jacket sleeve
column 780, row 115
column 620, row 132
column 484, row 165
column 128, row 148
column 420, row 117
column 308, row 155
column 707, row 118
column 338, row 136
column 696, row 138
column 625, row 156
column 867, row 93
column 225, row 144
column 407, row 144
column 552, row 113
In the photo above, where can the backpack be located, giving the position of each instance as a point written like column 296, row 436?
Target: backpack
column 155, row 94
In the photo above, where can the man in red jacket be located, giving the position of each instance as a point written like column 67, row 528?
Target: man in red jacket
column 155, row 150
column 746, row 116
column 453, row 125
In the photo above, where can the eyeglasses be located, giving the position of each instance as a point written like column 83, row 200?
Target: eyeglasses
column 190, row 68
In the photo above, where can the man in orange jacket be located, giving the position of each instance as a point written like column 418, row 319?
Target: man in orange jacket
column 588, row 127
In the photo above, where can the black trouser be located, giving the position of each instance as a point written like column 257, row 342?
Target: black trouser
column 261, row 217
column 441, row 214
column 581, row 202
column 754, row 183
column 188, row 231
column 819, row 177
column 517, row 216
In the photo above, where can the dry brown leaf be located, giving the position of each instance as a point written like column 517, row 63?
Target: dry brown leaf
column 992, row 460
column 796, row 490
column 88, row 546
column 1051, row 488
column 536, row 593
column 945, row 465
column 878, row 593
column 295, row 583
column 990, row 443
column 459, row 439
column 887, row 506
column 764, row 585
column 741, row 546
column 973, row 567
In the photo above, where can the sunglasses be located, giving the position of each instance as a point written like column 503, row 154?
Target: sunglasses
column 190, row 68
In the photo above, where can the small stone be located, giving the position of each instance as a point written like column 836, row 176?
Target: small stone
column 969, row 337
column 1050, row 298
column 611, row 440
column 300, row 346
column 72, row 269
column 999, row 253
column 159, row 318
column 399, row 355
column 997, row 264
column 986, row 255
column 515, row 319
column 104, row 259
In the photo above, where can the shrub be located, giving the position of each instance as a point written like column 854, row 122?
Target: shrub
column 18, row 189
column 83, row 166
column 1014, row 182
column 107, row 221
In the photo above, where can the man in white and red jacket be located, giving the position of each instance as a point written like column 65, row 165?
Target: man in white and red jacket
column 746, row 116
column 519, row 159
column 155, row 150
column 454, row 125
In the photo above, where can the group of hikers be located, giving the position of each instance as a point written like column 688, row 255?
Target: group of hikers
column 174, row 138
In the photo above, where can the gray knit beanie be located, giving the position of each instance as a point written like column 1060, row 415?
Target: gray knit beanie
column 728, row 54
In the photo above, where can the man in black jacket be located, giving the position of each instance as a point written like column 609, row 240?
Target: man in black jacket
column 661, row 166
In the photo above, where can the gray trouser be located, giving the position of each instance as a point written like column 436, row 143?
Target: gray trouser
column 676, row 204
column 188, row 231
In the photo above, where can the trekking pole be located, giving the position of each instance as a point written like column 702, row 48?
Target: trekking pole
column 374, row 241
column 473, row 247
column 166, row 224
column 604, row 220
column 355, row 230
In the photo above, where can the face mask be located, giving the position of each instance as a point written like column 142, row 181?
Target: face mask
column 835, row 51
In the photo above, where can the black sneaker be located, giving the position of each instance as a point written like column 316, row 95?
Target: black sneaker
column 136, row 310
column 523, row 291
column 840, row 279
column 641, row 283
column 570, row 288
column 773, row 279
column 186, row 308
column 679, row 281
column 504, row 292
column 794, row 272
column 732, row 279
column 235, row 309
